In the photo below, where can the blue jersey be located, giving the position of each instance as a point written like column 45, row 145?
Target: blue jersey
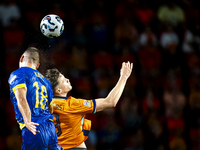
column 39, row 94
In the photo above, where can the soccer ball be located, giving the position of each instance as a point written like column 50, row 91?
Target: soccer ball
column 52, row 26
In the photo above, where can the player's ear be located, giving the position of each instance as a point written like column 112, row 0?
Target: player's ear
column 21, row 59
column 58, row 91
column 37, row 65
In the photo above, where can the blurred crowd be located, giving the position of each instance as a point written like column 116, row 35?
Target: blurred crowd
column 160, row 106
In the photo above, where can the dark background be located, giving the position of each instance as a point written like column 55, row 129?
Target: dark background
column 159, row 108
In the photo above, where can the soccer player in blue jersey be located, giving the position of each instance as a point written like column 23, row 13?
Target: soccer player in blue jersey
column 31, row 95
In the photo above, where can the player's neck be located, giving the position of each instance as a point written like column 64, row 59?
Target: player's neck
column 27, row 65
column 60, row 95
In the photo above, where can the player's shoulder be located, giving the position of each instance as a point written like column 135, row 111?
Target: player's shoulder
column 16, row 71
column 76, row 101
column 14, row 74
column 73, row 99
column 22, row 70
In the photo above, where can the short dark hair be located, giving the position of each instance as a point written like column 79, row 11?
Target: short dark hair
column 33, row 54
column 52, row 75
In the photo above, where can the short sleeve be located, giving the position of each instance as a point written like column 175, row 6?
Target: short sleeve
column 17, row 80
column 83, row 106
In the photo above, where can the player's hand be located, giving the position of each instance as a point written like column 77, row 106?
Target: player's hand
column 32, row 127
column 126, row 69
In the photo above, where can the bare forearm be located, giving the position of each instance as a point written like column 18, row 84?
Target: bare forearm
column 25, row 110
column 113, row 97
column 115, row 94
column 23, row 104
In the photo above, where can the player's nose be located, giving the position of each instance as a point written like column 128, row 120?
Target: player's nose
column 67, row 80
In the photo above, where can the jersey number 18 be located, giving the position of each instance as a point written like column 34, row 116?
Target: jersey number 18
column 43, row 99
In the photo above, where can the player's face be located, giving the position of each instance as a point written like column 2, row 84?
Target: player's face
column 64, row 84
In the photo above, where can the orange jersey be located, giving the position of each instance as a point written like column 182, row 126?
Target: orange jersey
column 69, row 118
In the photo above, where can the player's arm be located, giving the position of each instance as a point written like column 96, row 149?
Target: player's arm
column 50, row 97
column 20, row 94
column 114, row 95
column 51, row 108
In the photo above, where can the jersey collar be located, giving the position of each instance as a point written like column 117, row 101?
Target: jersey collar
column 28, row 67
column 61, row 97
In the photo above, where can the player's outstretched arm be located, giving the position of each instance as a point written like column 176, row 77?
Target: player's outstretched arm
column 114, row 95
column 23, row 106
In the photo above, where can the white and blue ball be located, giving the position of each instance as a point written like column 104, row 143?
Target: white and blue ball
column 52, row 26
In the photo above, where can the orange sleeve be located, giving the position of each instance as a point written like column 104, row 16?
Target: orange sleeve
column 82, row 106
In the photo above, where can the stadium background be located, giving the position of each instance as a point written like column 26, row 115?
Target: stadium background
column 160, row 107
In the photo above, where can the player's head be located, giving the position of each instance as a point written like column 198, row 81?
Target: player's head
column 30, row 57
column 60, row 85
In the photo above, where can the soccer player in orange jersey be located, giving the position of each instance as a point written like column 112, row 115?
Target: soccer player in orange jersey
column 69, row 112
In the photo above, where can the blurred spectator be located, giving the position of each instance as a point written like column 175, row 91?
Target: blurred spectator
column 79, row 12
column 92, row 140
column 57, row 8
column 13, row 140
column 99, row 30
column 194, row 134
column 109, row 133
column 125, row 34
column 150, row 103
column 191, row 13
column 175, row 125
column 131, row 119
column 13, row 38
column 102, row 83
column 169, row 38
column 107, row 58
column 170, row 13
column 34, row 15
column 176, row 128
column 193, row 61
column 148, row 37
column 149, row 58
column 83, row 87
column 11, row 59
column 194, row 100
column 196, row 44
column 123, row 56
column 2, row 145
column 188, row 40
column 145, row 14
column 126, row 9
column 78, row 62
column 79, row 37
column 155, row 131
column 135, row 141
column 174, row 99
column 177, row 143
column 9, row 12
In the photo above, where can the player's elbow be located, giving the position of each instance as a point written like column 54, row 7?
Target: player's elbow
column 111, row 102
column 114, row 104
column 51, row 108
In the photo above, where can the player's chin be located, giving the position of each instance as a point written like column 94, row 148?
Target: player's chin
column 70, row 88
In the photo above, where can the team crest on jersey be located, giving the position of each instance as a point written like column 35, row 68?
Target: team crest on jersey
column 87, row 103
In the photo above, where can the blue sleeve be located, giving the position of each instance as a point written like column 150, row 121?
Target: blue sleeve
column 17, row 80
